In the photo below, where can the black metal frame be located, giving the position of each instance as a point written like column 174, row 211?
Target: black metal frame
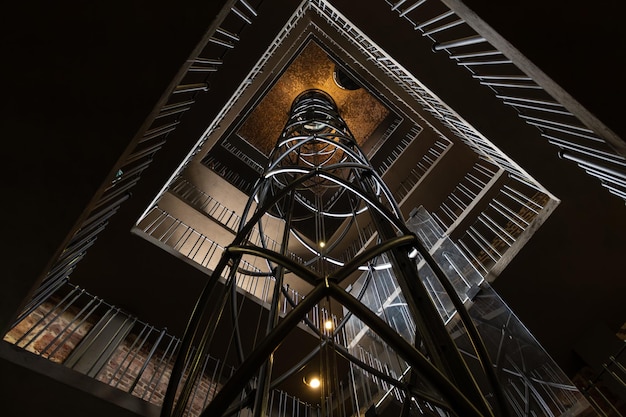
column 317, row 153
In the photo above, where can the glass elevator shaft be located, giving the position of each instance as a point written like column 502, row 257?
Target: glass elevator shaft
column 337, row 233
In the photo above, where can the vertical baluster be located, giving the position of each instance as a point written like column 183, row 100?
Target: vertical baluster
column 162, row 365
column 50, row 313
column 69, row 334
column 130, row 349
column 147, row 359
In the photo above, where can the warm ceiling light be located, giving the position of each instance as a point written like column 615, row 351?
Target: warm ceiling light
column 314, row 126
column 328, row 325
column 312, row 381
column 322, row 244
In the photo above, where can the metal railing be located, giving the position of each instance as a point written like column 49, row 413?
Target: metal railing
column 383, row 138
column 151, row 138
column 415, row 89
column 205, row 203
column 421, row 168
column 199, row 248
column 596, row 152
column 606, row 391
column 88, row 335
column 466, row 192
column 498, row 226
column 395, row 152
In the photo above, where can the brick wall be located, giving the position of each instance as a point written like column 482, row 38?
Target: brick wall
column 54, row 330
column 128, row 369
column 50, row 332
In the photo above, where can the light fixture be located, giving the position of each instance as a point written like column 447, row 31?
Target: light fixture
column 314, row 126
column 343, row 80
column 312, row 380
column 328, row 324
column 322, row 244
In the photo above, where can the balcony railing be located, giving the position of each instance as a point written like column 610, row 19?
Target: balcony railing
column 84, row 333
column 578, row 135
column 88, row 335
column 607, row 390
